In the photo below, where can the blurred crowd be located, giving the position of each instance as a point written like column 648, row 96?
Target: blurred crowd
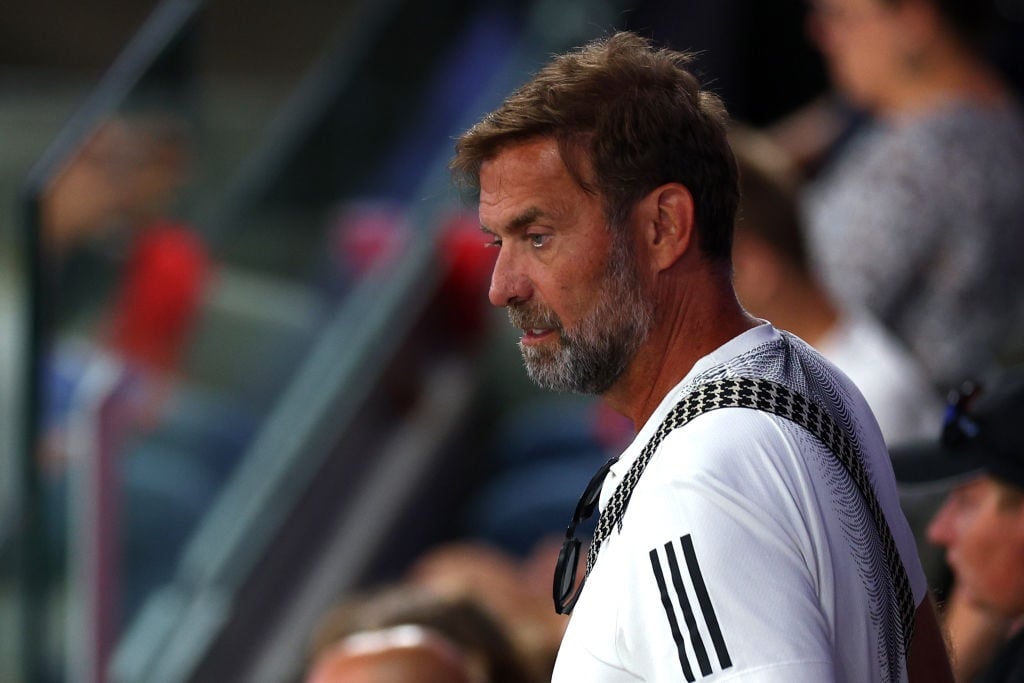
column 883, row 223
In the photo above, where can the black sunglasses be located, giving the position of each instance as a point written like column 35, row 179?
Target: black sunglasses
column 565, row 591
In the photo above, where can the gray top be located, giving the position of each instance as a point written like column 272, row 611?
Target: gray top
column 921, row 221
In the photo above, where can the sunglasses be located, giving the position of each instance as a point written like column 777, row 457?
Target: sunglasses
column 565, row 590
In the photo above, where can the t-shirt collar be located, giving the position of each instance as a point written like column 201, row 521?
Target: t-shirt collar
column 738, row 345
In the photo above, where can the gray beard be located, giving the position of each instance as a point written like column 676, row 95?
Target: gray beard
column 592, row 356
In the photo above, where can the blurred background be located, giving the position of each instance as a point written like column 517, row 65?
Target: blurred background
column 247, row 364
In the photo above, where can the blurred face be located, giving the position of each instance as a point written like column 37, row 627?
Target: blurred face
column 982, row 529
column 568, row 283
column 128, row 172
column 377, row 657
column 863, row 42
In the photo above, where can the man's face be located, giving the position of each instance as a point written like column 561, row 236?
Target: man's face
column 983, row 533
column 569, row 284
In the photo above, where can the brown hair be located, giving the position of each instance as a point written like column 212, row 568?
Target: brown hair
column 635, row 117
column 768, row 204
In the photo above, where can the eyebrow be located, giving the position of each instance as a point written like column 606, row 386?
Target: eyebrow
column 519, row 223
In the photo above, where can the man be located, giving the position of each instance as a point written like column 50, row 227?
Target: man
column 980, row 525
column 743, row 551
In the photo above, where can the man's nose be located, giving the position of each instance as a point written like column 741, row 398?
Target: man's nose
column 509, row 284
column 941, row 529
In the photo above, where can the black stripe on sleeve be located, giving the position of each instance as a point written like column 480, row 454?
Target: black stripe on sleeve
column 670, row 613
column 704, row 600
column 684, row 603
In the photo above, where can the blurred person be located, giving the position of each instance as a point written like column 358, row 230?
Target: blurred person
column 400, row 654
column 125, row 281
column 517, row 590
column 127, row 172
column 479, row 635
column 111, row 204
column 125, row 286
column 980, row 524
column 608, row 188
column 775, row 280
column 917, row 217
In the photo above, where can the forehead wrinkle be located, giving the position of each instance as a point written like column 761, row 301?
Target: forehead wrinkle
column 519, row 223
column 533, row 167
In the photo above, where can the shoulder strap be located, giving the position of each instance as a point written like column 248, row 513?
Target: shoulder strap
column 779, row 400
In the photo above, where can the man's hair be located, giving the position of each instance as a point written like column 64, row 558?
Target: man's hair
column 634, row 117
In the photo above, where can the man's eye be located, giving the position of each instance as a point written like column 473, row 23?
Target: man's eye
column 494, row 242
column 538, row 240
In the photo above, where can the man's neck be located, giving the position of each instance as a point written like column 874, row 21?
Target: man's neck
column 691, row 322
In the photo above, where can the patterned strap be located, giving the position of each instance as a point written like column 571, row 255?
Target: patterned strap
column 779, row 400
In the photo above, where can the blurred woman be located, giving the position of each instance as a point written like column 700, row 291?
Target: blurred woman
column 920, row 217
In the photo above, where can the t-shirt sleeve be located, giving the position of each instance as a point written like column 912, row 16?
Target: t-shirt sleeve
column 720, row 581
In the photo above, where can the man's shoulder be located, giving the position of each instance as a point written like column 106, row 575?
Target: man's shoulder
column 734, row 447
column 714, row 434
column 783, row 359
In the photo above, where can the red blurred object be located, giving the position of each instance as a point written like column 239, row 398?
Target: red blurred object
column 369, row 235
column 470, row 264
column 160, row 295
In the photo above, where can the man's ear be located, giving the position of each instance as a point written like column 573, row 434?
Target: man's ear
column 669, row 224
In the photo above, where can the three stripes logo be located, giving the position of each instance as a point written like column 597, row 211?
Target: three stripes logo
column 683, row 592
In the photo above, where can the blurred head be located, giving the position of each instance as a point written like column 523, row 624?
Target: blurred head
column 627, row 118
column 517, row 590
column 129, row 171
column 874, row 47
column 770, row 245
column 483, row 642
column 981, row 523
column 399, row 654
column 981, row 527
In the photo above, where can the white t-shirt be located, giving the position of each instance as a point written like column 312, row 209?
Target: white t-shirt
column 746, row 551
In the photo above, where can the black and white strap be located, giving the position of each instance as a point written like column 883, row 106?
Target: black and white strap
column 777, row 399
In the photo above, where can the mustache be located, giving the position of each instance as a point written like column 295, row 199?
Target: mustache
column 532, row 315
